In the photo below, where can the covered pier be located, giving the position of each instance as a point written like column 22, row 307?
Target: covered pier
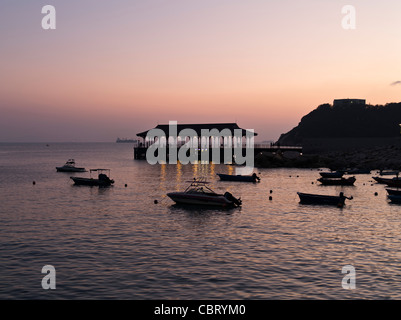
column 202, row 143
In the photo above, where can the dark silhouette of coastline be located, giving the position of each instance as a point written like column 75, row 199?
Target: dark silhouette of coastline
column 347, row 134
column 346, row 120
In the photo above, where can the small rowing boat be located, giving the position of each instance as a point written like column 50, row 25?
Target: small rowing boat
column 388, row 173
column 358, row 171
column 385, row 180
column 307, row 198
column 394, row 198
column 229, row 177
column 337, row 181
column 335, row 174
column 395, row 192
column 396, row 183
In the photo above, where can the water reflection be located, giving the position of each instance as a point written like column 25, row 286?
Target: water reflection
column 182, row 208
column 178, row 175
column 212, row 170
column 275, row 249
column 195, row 169
column 163, row 173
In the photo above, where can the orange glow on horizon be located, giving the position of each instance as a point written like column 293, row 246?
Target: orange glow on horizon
column 262, row 65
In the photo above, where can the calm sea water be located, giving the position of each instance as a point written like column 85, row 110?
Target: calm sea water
column 116, row 243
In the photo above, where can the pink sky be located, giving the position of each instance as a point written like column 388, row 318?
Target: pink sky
column 113, row 69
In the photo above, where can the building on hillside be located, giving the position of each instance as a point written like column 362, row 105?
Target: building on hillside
column 349, row 102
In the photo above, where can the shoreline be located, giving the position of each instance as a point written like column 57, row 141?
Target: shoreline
column 374, row 158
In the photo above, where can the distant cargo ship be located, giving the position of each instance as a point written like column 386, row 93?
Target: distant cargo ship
column 125, row 140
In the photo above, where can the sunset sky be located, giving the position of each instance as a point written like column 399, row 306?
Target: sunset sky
column 116, row 68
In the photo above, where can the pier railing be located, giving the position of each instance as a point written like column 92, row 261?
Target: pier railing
column 212, row 145
column 140, row 149
column 181, row 143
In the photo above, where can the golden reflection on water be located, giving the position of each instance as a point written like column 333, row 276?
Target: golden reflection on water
column 178, row 175
column 212, row 170
column 195, row 169
column 162, row 184
column 203, row 171
column 182, row 173
column 163, row 172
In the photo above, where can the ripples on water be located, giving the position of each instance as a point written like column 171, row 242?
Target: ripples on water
column 115, row 243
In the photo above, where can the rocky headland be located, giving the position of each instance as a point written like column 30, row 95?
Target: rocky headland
column 347, row 134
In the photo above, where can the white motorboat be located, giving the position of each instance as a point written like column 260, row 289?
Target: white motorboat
column 69, row 166
column 198, row 193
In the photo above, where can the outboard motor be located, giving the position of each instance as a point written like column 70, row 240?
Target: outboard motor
column 233, row 199
column 105, row 179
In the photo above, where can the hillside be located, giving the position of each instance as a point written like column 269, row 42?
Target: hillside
column 348, row 118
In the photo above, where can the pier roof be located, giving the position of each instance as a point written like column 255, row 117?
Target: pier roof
column 198, row 128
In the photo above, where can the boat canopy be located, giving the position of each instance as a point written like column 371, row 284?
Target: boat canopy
column 100, row 171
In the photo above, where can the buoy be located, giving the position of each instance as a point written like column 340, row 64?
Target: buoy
column 156, row 202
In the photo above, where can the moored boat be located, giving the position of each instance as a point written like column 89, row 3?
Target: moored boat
column 380, row 180
column 395, row 182
column 102, row 180
column 307, row 198
column 335, row 174
column 394, row 198
column 337, row 181
column 358, row 171
column 385, row 180
column 69, row 166
column 229, row 177
column 388, row 173
column 198, row 193
column 396, row 192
